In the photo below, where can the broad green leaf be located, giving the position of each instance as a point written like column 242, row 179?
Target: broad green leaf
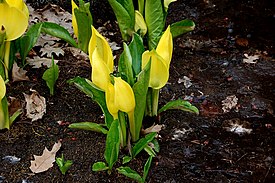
column 140, row 89
column 136, row 48
column 128, row 172
column 126, row 159
column 154, row 18
column 147, row 167
column 99, row 166
column 84, row 23
column 89, row 126
column 182, row 27
column 181, row 105
column 125, row 65
column 142, row 143
column 51, row 75
column 150, row 151
column 125, row 14
column 58, row 31
column 95, row 93
column 28, row 41
column 112, row 144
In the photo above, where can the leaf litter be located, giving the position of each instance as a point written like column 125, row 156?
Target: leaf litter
column 45, row 161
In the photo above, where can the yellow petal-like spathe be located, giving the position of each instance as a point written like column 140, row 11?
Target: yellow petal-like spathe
column 140, row 23
column 2, row 88
column 124, row 95
column 110, row 100
column 166, row 4
column 165, row 46
column 13, row 20
column 100, row 71
column 74, row 23
column 159, row 72
column 20, row 5
column 103, row 48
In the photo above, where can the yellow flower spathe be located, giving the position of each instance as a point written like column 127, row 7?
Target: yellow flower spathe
column 74, row 23
column 140, row 23
column 13, row 20
column 159, row 72
column 165, row 46
column 20, row 5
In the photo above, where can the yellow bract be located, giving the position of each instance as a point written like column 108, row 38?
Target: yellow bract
column 101, row 59
column 20, row 5
column 160, row 60
column 140, row 23
column 2, row 88
column 166, row 3
column 74, row 23
column 120, row 97
column 14, row 21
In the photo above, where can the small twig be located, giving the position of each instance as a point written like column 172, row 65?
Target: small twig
column 241, row 157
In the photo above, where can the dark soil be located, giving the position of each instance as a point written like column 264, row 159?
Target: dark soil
column 211, row 56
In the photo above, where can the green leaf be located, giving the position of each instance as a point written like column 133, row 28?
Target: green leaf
column 89, row 126
column 154, row 18
column 4, row 114
column 112, row 144
column 140, row 89
column 58, row 31
column 147, row 167
column 182, row 27
column 156, row 145
column 126, row 159
column 51, row 75
column 136, row 48
column 125, row 14
column 99, row 166
column 15, row 115
column 128, row 172
column 125, row 65
column 28, row 41
column 181, row 105
column 63, row 165
column 95, row 93
column 84, row 23
column 150, row 151
column 142, row 143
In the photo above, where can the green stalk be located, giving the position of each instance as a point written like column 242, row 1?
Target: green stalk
column 2, row 51
column 155, row 101
column 122, row 125
column 133, row 128
column 4, row 114
column 7, row 57
column 148, row 111
column 141, row 7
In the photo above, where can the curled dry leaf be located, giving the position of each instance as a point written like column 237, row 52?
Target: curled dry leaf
column 45, row 161
column 154, row 128
column 19, row 74
column 77, row 53
column 36, row 105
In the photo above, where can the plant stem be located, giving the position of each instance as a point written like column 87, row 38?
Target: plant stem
column 155, row 101
column 122, row 125
column 7, row 57
column 141, row 7
column 148, row 111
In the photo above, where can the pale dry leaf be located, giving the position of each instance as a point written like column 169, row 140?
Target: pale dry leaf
column 154, row 128
column 19, row 74
column 229, row 103
column 250, row 59
column 237, row 126
column 45, row 161
column 48, row 51
column 77, row 53
column 35, row 105
column 37, row 62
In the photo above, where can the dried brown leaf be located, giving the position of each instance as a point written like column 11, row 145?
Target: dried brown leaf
column 19, row 74
column 154, row 128
column 45, row 161
column 35, row 105
column 37, row 62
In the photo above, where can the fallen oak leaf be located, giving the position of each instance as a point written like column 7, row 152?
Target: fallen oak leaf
column 19, row 74
column 37, row 62
column 45, row 161
column 153, row 128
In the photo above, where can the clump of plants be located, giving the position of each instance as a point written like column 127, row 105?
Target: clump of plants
column 126, row 96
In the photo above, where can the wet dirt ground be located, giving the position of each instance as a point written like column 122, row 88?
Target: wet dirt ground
column 210, row 147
